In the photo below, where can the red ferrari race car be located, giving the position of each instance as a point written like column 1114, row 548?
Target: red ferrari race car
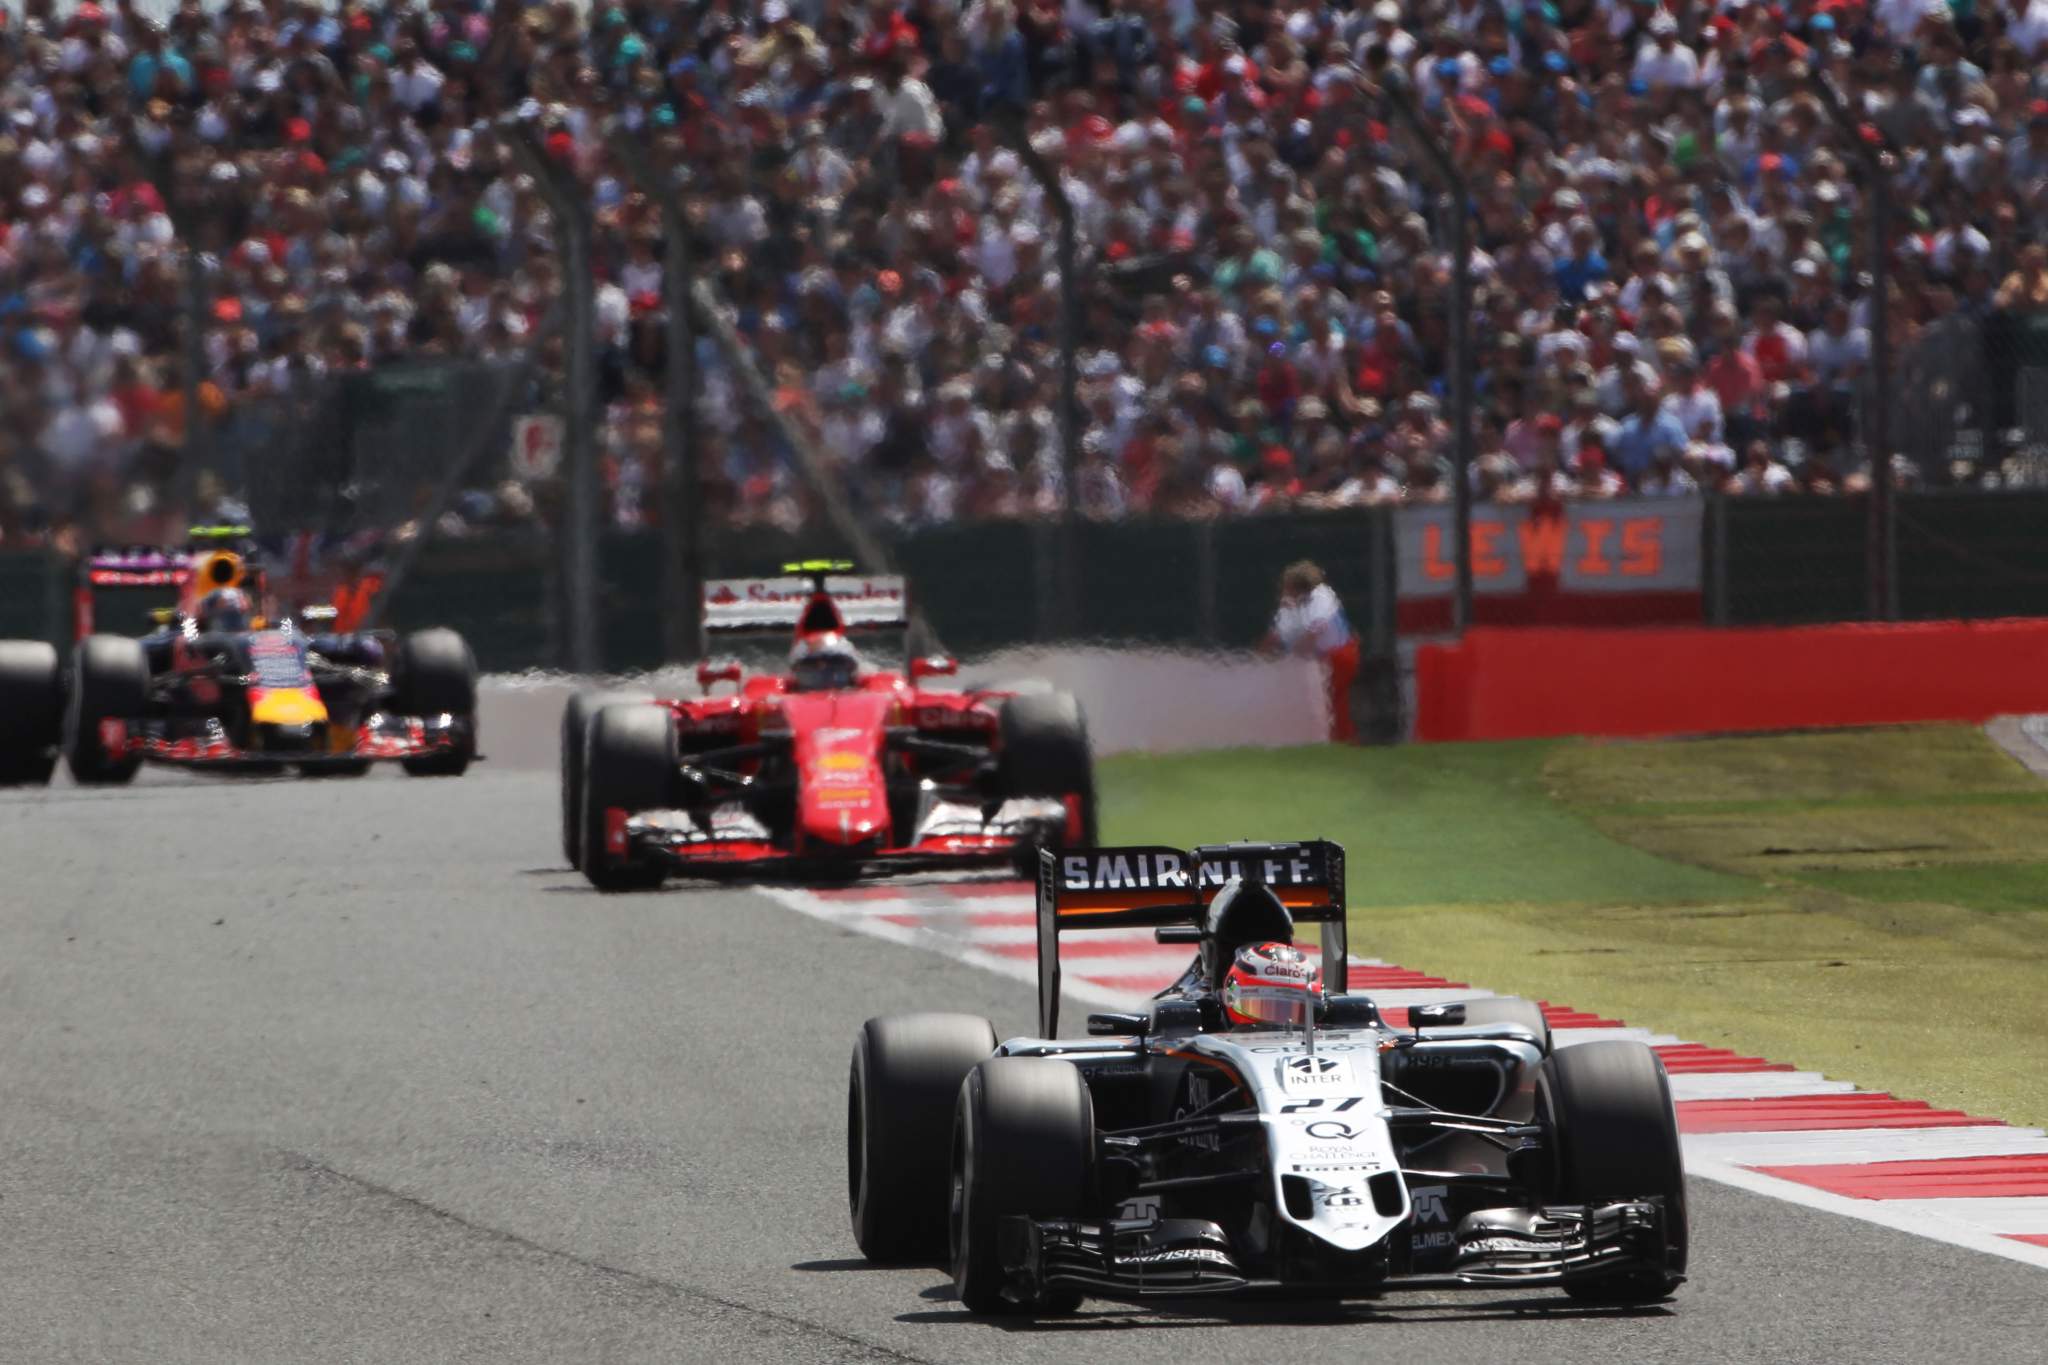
column 833, row 767
column 227, row 682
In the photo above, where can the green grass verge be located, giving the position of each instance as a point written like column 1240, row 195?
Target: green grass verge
column 1862, row 903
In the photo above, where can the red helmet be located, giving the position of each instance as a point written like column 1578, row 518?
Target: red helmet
column 1271, row 983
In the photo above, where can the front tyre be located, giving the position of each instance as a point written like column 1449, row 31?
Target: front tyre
column 436, row 675
column 1045, row 754
column 629, row 764
column 110, row 682
column 901, row 1089
column 31, row 712
column 1023, row 1143
column 575, row 731
column 1614, row 1133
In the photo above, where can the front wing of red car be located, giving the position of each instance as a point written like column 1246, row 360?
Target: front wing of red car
column 732, row 841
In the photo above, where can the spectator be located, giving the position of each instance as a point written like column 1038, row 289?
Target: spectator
column 1310, row 622
column 1670, row 262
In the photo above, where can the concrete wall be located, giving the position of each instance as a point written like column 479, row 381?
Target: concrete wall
column 1153, row 700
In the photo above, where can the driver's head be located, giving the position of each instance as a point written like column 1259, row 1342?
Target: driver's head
column 823, row 663
column 224, row 609
column 1271, row 983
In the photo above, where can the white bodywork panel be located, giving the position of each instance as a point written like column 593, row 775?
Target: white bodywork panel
column 1325, row 1121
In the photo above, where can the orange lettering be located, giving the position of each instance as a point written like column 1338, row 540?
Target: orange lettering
column 1642, row 546
column 1595, row 560
column 1486, row 559
column 1543, row 545
column 1435, row 565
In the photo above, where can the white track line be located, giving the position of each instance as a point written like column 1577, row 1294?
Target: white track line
column 1844, row 1147
column 1939, row 1220
column 2022, row 1214
column 1753, row 1085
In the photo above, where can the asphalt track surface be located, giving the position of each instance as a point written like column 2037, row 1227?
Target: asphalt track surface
column 355, row 1071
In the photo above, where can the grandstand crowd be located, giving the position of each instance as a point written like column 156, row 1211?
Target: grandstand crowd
column 1670, row 270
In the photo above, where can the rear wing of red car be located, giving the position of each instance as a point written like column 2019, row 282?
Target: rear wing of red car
column 1169, row 889
column 805, row 598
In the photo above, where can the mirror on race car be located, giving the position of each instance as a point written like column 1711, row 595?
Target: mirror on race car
column 934, row 666
column 718, row 671
column 1437, row 1015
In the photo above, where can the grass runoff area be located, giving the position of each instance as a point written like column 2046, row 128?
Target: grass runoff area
column 1872, row 904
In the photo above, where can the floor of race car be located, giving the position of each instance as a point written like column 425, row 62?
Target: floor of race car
column 400, row 1087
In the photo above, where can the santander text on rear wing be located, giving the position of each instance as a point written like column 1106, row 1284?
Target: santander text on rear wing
column 809, row 602
column 1167, row 888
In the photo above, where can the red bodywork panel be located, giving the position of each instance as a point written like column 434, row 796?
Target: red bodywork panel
column 837, row 738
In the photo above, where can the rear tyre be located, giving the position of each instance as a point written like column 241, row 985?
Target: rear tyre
column 575, row 730
column 1509, row 1009
column 1607, row 1106
column 1045, row 754
column 110, row 682
column 900, row 1093
column 436, row 674
column 1023, row 1143
column 31, row 712
column 629, row 764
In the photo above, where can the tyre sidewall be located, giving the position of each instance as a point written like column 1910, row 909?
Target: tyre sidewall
column 904, row 1080
column 110, row 681
column 1023, row 1143
column 629, row 762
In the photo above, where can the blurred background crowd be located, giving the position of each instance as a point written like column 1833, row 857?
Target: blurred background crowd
column 1671, row 281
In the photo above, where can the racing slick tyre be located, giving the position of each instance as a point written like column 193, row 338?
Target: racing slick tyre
column 109, row 681
column 31, row 712
column 436, row 673
column 575, row 732
column 1045, row 753
column 1607, row 1106
column 629, row 763
column 1023, row 1143
column 900, row 1091
column 1509, row 1009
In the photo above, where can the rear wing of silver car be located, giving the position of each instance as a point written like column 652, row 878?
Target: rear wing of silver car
column 1169, row 890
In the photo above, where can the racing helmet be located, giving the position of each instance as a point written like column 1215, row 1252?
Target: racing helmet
column 224, row 609
column 824, row 662
column 1270, row 983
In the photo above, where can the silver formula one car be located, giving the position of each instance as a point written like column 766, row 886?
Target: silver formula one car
column 1259, row 1128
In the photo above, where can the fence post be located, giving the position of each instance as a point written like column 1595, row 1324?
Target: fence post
column 682, row 582
column 1207, row 628
column 570, row 209
column 1874, row 152
column 1396, row 96
column 452, row 478
column 1066, row 563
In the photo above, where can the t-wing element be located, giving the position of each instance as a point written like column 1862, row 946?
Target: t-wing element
column 1220, row 896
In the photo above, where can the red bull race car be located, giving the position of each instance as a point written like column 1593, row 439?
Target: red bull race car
column 226, row 683
column 829, row 766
